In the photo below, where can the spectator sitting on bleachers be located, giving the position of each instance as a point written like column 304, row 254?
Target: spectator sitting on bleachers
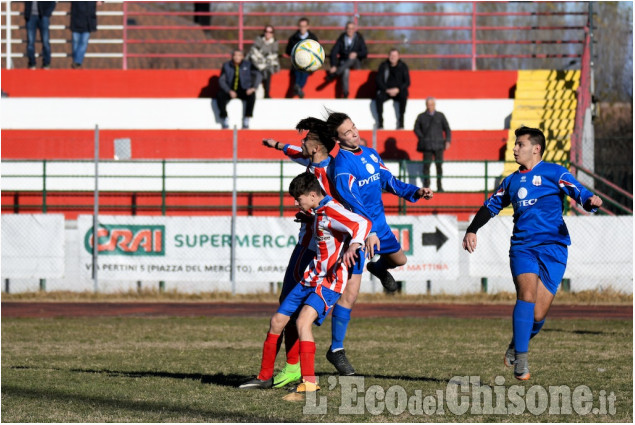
column 348, row 52
column 264, row 55
column 393, row 80
column 302, row 33
column 238, row 79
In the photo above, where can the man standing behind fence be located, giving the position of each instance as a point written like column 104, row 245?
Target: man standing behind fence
column 38, row 15
column 83, row 22
column 434, row 136
column 239, row 78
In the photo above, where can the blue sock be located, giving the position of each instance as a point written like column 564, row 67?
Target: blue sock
column 339, row 325
column 536, row 328
column 523, row 319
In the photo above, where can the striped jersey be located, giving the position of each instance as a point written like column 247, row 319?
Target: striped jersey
column 359, row 177
column 537, row 196
column 335, row 229
column 305, row 237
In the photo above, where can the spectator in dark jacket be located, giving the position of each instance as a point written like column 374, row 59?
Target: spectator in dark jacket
column 239, row 78
column 38, row 17
column 301, row 34
column 393, row 80
column 348, row 52
column 434, row 135
column 83, row 22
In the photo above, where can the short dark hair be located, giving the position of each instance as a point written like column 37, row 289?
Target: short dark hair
column 333, row 122
column 536, row 136
column 317, row 126
column 303, row 184
column 303, row 19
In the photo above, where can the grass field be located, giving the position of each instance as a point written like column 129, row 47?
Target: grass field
column 177, row 369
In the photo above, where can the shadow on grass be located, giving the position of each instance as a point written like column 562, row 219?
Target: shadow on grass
column 231, row 380
column 216, row 414
column 578, row 331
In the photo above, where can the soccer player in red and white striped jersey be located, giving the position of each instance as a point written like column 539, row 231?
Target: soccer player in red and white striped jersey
column 340, row 234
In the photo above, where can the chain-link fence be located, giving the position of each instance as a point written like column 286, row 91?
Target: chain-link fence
column 169, row 225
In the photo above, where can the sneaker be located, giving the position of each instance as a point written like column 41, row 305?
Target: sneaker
column 46, row 67
column 341, row 363
column 521, row 367
column 257, row 384
column 305, row 387
column 386, row 279
column 32, row 67
column 510, row 356
column 290, row 374
column 246, row 123
column 225, row 122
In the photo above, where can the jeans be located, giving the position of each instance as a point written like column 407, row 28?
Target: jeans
column 80, row 44
column 300, row 77
column 223, row 98
column 343, row 71
column 32, row 25
column 382, row 96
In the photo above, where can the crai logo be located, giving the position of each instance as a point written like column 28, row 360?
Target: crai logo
column 403, row 233
column 127, row 239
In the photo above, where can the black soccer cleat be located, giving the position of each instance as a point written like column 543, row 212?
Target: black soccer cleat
column 257, row 384
column 341, row 363
column 386, row 279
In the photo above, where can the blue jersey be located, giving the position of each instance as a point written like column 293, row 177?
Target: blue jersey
column 358, row 180
column 537, row 196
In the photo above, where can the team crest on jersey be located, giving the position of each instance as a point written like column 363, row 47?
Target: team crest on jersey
column 373, row 157
column 370, row 168
column 537, row 181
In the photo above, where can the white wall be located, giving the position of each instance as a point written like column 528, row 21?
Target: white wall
column 194, row 114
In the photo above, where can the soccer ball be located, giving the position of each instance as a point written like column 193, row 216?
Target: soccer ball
column 307, row 55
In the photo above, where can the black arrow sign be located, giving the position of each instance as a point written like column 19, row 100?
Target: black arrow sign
column 437, row 238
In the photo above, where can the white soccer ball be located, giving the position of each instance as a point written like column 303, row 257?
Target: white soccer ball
column 307, row 55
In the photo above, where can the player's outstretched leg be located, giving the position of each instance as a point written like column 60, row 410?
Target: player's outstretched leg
column 379, row 269
column 264, row 379
column 290, row 373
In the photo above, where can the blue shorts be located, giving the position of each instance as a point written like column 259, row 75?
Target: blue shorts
column 547, row 261
column 321, row 299
column 387, row 241
column 358, row 267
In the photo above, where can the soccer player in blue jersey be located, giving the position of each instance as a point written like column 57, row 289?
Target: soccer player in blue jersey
column 538, row 252
column 358, row 177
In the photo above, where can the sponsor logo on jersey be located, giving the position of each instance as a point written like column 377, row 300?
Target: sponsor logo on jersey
column 522, row 193
column 370, row 168
column 537, row 181
column 373, row 157
column 128, row 240
column 525, row 203
column 370, row 179
column 323, row 238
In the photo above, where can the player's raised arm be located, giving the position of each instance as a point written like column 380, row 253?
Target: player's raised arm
column 574, row 189
column 399, row 188
column 293, row 152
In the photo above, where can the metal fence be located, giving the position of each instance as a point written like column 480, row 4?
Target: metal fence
column 444, row 35
column 169, row 225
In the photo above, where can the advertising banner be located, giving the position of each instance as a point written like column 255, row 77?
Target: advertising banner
column 199, row 248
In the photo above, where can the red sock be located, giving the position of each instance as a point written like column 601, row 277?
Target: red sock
column 292, row 343
column 307, row 360
column 269, row 352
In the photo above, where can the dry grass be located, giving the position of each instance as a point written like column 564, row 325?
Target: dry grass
column 605, row 297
